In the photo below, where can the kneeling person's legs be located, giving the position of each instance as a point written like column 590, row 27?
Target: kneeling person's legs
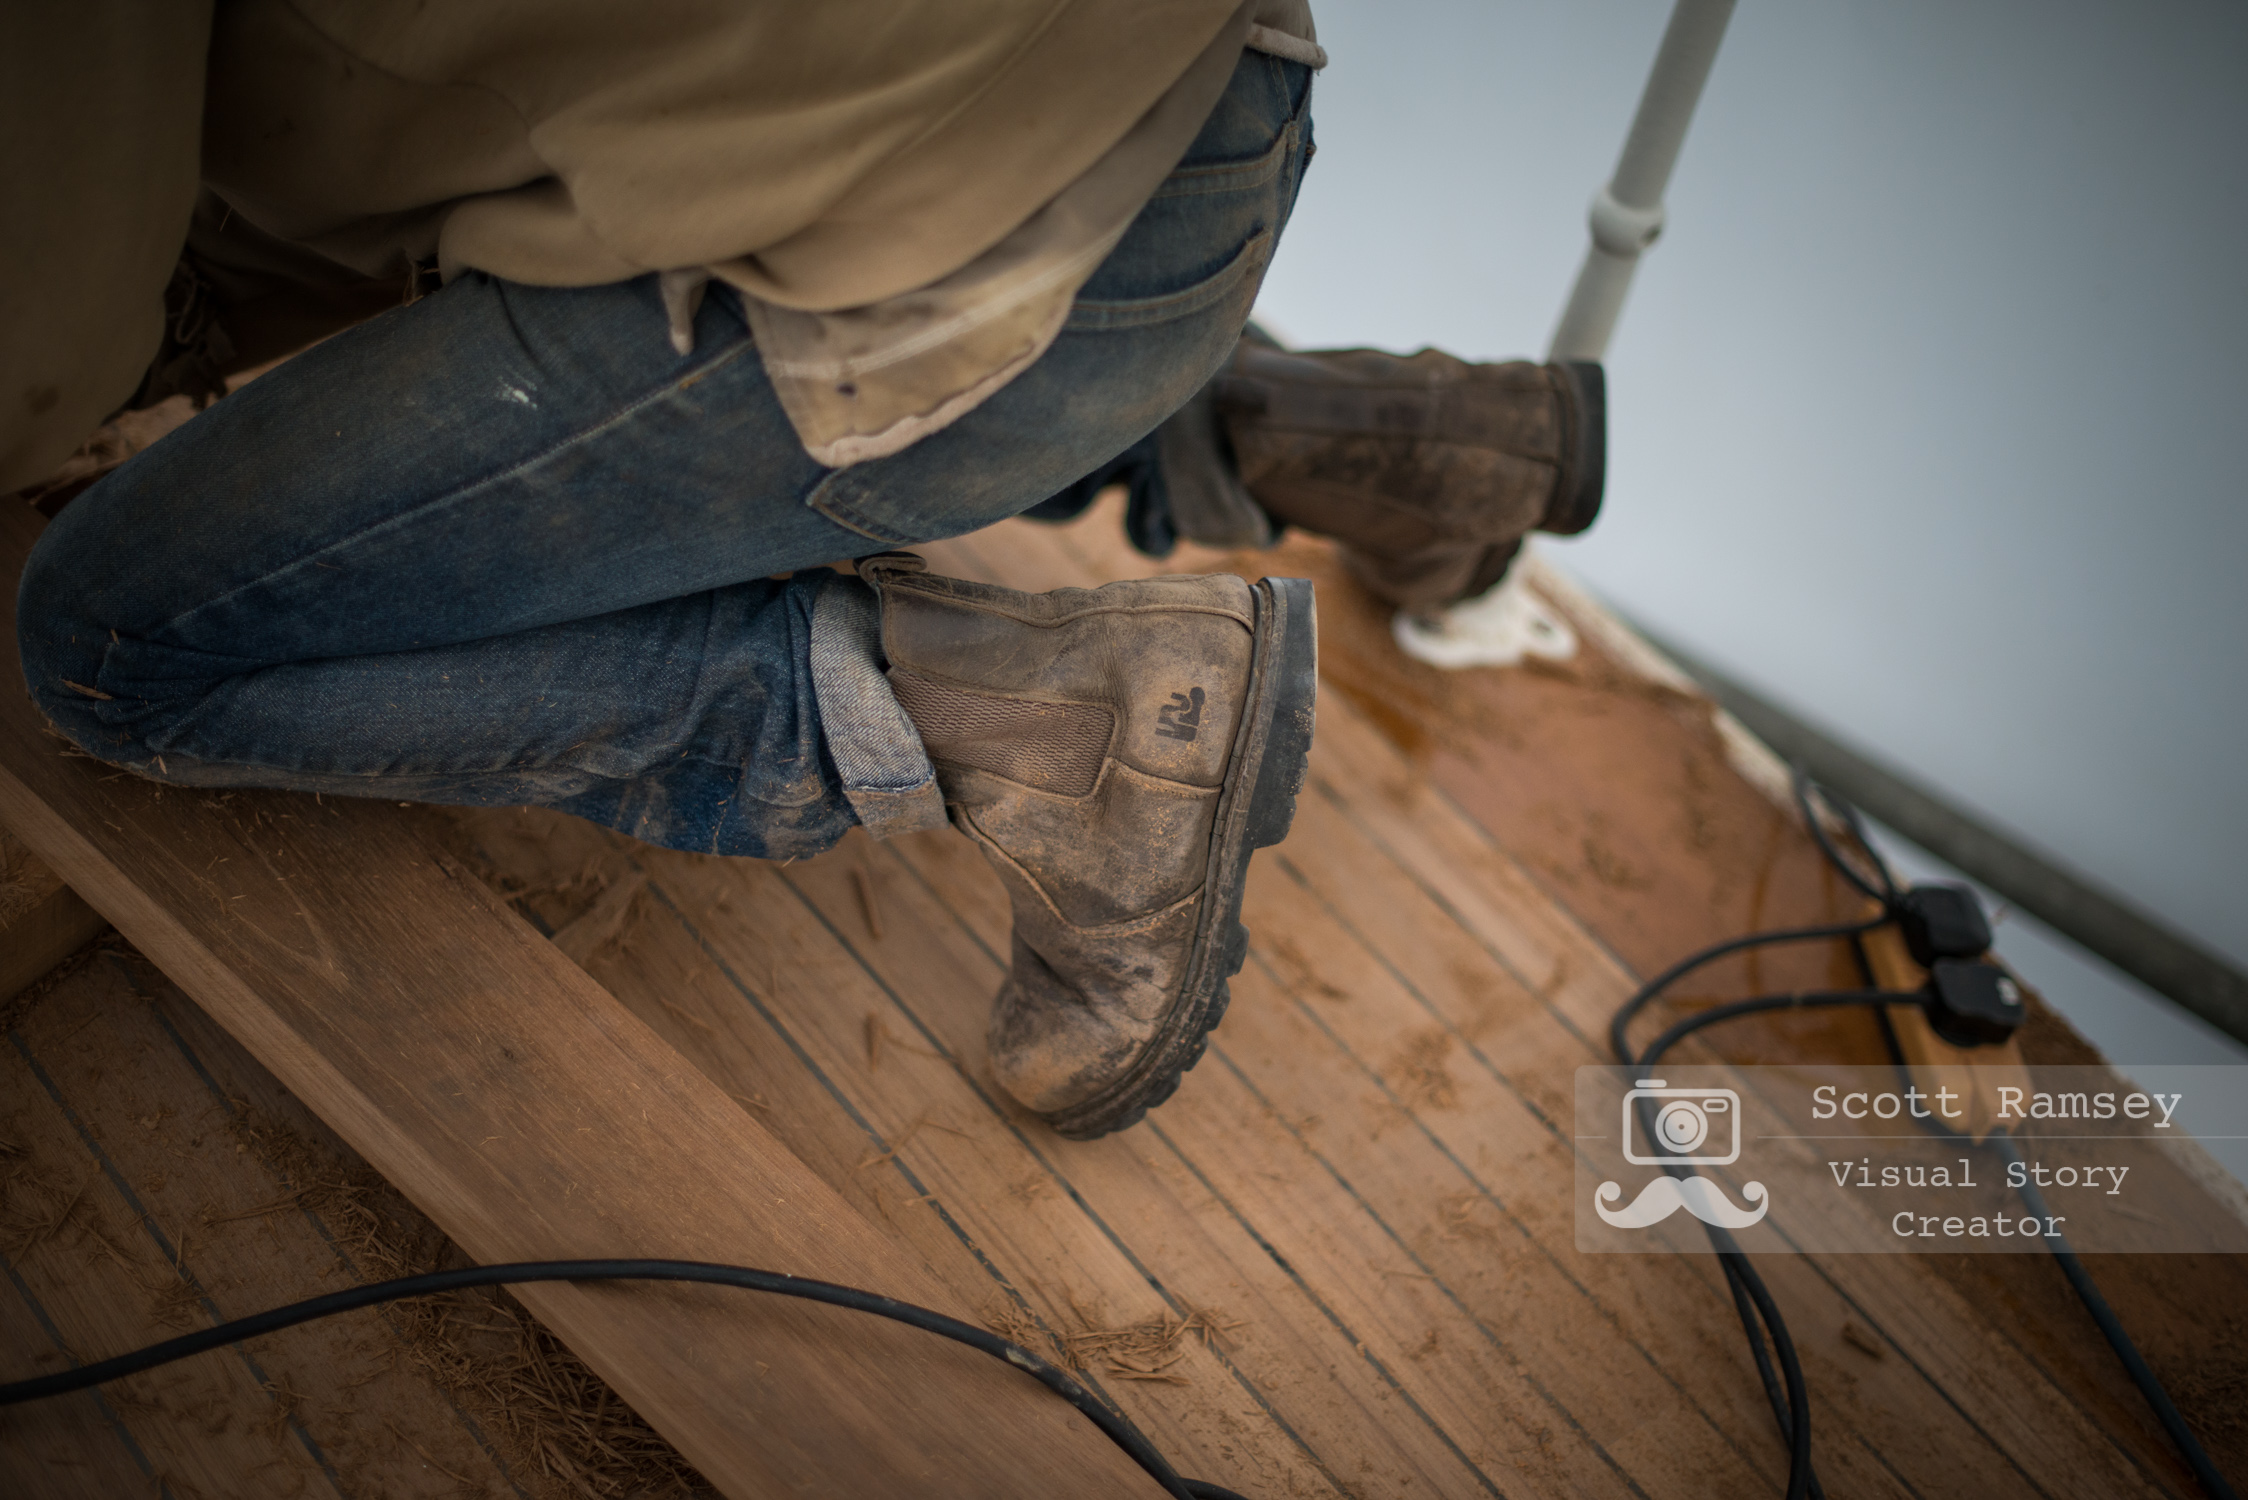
column 504, row 546
column 474, row 554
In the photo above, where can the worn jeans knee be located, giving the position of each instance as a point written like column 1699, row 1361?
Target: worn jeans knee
column 59, row 645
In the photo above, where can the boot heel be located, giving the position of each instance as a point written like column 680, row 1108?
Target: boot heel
column 1287, row 627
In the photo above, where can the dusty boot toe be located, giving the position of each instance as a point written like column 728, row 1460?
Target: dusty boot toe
column 1060, row 1036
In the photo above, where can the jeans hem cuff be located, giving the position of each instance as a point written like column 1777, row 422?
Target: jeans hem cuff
column 884, row 771
column 885, row 813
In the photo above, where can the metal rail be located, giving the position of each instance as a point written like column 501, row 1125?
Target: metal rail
column 1502, row 625
column 2158, row 957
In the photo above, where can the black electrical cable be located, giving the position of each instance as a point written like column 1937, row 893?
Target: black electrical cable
column 1784, row 1388
column 1620, row 1043
column 1811, row 1000
column 1805, row 791
column 1769, row 1341
column 1887, row 893
column 1774, row 1391
column 1760, row 1317
column 1795, row 1416
column 1055, row 1379
column 2087, row 1290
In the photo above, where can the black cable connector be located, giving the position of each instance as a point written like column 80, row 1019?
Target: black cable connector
column 1942, row 921
column 1971, row 1003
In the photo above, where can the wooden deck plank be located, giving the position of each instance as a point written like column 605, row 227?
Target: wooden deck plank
column 100, row 1274
column 1551, row 761
column 1237, row 1145
column 2107, row 1442
column 1482, row 864
column 736, row 965
column 42, row 921
column 746, row 932
column 1400, row 1197
column 533, row 1117
column 1964, row 1356
column 1504, row 1068
column 1458, row 939
column 1386, row 1096
column 1073, row 1231
column 457, row 1396
column 1188, row 1233
column 947, row 1167
column 73, row 1447
column 237, row 1228
column 1446, row 1154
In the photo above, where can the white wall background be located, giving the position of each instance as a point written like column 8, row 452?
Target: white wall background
column 1930, row 411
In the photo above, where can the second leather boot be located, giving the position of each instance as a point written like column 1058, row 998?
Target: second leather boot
column 1429, row 470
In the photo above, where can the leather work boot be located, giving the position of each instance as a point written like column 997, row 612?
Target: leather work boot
column 1117, row 752
column 1429, row 470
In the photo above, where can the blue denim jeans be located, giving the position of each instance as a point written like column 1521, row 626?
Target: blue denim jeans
column 504, row 546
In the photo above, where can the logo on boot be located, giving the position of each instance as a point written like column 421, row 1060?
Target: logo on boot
column 1181, row 718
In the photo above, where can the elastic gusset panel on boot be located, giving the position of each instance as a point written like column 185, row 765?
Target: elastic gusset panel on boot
column 1054, row 747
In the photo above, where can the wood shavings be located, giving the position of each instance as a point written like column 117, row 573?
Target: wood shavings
column 566, row 1434
column 867, row 906
column 1862, row 1341
column 1149, row 1349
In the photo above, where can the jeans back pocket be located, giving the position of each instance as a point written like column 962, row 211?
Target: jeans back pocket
column 1242, row 272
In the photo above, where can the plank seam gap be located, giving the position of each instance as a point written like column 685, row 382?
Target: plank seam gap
column 163, row 1246
column 1490, row 1334
column 101, row 1400
column 1482, row 835
column 1288, row 1268
column 1889, row 1468
column 474, row 1429
column 1458, row 918
column 876, row 1137
column 1492, row 1197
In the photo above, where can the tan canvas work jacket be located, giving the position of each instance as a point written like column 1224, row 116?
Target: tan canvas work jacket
column 906, row 195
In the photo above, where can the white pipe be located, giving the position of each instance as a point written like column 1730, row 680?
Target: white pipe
column 1627, row 213
column 1510, row 622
